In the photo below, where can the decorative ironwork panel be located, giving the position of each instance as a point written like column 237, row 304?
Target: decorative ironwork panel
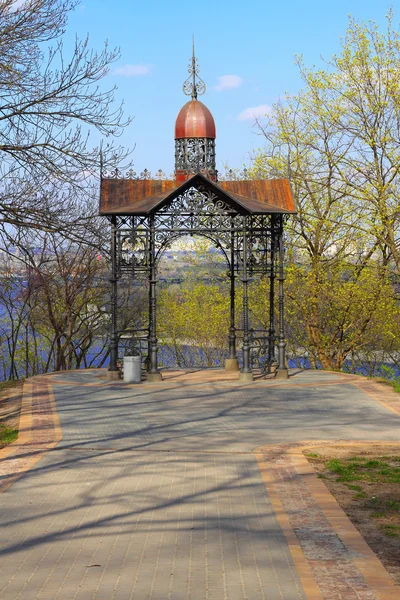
column 195, row 155
column 259, row 244
column 135, row 344
column 259, row 350
column 194, row 86
column 133, row 251
column 119, row 174
column 235, row 175
column 195, row 212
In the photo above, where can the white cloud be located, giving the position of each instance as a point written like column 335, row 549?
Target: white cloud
column 254, row 112
column 228, row 82
column 133, row 70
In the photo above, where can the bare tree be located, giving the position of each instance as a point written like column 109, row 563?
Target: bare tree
column 49, row 103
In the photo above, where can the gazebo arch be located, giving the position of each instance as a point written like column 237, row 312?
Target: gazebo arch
column 245, row 218
column 179, row 236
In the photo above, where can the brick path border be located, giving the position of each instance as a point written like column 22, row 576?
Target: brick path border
column 365, row 561
column 39, row 431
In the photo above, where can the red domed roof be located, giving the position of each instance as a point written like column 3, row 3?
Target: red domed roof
column 194, row 121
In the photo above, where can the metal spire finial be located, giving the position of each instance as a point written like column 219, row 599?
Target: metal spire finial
column 194, row 86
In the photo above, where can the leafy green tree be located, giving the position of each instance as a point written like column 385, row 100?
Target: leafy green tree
column 358, row 99
column 337, row 142
column 340, row 312
column 194, row 323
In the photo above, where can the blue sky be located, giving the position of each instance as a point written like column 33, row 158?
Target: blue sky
column 253, row 43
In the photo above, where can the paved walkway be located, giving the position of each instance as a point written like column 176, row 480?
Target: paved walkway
column 193, row 488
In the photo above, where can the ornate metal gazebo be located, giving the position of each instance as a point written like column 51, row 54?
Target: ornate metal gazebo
column 244, row 218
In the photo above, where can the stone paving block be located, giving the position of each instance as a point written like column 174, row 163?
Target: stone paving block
column 234, row 592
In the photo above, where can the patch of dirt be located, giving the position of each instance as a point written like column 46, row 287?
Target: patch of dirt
column 366, row 506
column 10, row 405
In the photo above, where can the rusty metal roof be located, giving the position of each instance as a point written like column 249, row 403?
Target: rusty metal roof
column 262, row 195
column 141, row 197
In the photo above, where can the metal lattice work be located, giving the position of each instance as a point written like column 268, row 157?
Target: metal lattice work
column 194, row 86
column 144, row 175
column 195, row 155
column 132, row 346
column 200, row 202
column 197, row 211
column 261, row 343
column 133, row 251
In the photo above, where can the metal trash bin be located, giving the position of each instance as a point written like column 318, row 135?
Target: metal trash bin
column 132, row 369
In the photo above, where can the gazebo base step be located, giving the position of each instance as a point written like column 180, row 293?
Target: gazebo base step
column 245, row 376
column 113, row 375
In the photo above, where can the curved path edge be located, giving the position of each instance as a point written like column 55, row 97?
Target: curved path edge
column 287, row 467
column 328, row 551
column 39, row 431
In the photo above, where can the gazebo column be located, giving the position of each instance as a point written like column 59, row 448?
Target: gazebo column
column 147, row 360
column 153, row 372
column 113, row 371
column 246, row 373
column 271, row 331
column 231, row 363
column 282, row 370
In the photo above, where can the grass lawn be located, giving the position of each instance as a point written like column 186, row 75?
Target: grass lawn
column 7, row 435
column 9, row 385
column 10, row 405
column 366, row 483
